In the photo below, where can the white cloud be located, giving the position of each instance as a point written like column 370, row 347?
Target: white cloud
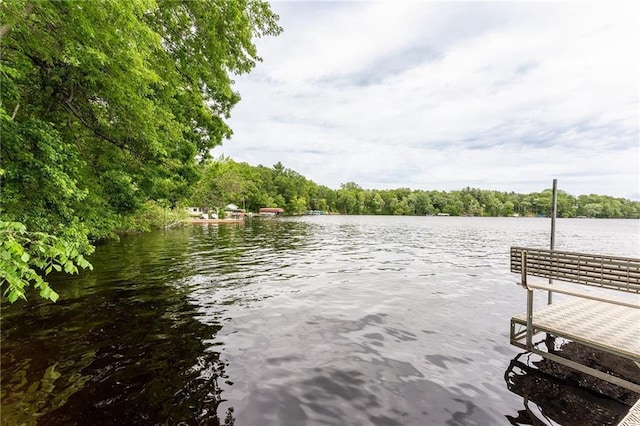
column 501, row 96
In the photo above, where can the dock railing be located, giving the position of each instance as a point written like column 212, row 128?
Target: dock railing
column 601, row 321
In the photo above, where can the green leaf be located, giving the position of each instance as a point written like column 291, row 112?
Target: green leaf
column 83, row 263
column 25, row 257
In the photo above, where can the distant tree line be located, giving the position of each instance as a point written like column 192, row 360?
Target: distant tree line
column 226, row 181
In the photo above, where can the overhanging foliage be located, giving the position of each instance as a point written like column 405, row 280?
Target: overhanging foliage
column 106, row 104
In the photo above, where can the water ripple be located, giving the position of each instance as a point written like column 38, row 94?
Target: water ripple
column 316, row 320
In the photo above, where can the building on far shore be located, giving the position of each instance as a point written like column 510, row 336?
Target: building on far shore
column 231, row 211
column 195, row 211
column 201, row 213
column 270, row 211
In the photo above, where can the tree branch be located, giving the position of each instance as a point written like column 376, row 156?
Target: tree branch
column 69, row 107
column 15, row 111
column 139, row 155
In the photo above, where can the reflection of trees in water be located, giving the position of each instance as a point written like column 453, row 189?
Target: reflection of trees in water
column 124, row 347
column 554, row 393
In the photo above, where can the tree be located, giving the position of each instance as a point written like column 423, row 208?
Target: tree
column 107, row 104
column 423, row 204
column 347, row 201
column 507, row 209
column 376, row 204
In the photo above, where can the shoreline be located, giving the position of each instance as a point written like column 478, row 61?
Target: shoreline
column 208, row 221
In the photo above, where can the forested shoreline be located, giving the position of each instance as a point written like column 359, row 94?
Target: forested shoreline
column 226, row 181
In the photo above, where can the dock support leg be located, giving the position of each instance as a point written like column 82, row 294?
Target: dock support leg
column 550, row 342
column 529, row 319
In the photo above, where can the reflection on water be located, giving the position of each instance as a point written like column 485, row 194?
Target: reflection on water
column 555, row 394
column 120, row 347
column 316, row 320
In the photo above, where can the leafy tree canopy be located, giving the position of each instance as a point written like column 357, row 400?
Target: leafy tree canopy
column 107, row 104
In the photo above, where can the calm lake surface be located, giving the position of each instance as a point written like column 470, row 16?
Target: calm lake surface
column 318, row 320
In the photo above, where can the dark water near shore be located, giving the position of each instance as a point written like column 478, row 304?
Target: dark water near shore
column 332, row 320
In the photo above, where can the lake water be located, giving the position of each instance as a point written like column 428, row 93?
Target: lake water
column 317, row 320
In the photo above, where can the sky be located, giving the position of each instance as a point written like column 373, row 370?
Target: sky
column 502, row 96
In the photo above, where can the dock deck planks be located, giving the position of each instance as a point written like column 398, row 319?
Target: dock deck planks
column 615, row 329
column 633, row 416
